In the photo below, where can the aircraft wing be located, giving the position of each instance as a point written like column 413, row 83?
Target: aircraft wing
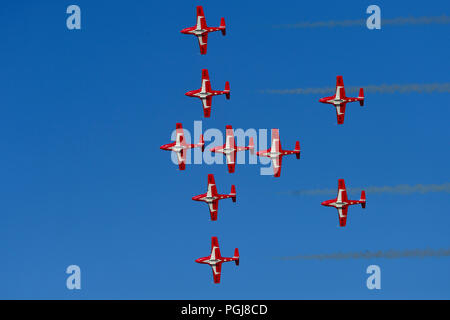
column 276, row 144
column 213, row 208
column 342, row 191
column 276, row 164
column 205, row 76
column 212, row 189
column 215, row 250
column 229, row 142
column 181, row 159
column 340, row 86
column 342, row 216
column 340, row 113
column 207, row 106
column 201, row 21
column 216, row 269
column 201, row 24
column 180, row 134
column 203, row 42
column 231, row 161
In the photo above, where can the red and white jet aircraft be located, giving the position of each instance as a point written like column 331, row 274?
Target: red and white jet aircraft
column 205, row 93
column 215, row 260
column 229, row 149
column 276, row 153
column 340, row 100
column 341, row 203
column 212, row 197
column 201, row 30
column 180, row 147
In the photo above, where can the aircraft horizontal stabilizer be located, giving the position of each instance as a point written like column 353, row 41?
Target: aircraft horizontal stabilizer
column 202, row 143
column 251, row 146
column 297, row 149
column 223, row 27
column 227, row 90
column 363, row 199
column 361, row 96
column 236, row 256
column 233, row 193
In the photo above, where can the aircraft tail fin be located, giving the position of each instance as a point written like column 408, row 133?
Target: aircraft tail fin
column 227, row 90
column 361, row 96
column 236, row 256
column 363, row 199
column 297, row 149
column 233, row 193
column 223, row 27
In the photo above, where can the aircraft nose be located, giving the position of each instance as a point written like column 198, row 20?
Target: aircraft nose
column 197, row 260
column 323, row 203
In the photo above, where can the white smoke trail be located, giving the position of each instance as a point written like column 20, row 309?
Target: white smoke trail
column 399, row 21
column 398, row 189
column 390, row 254
column 383, row 88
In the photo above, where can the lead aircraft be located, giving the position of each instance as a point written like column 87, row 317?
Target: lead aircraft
column 230, row 150
column 276, row 153
column 215, row 259
column 205, row 93
column 342, row 202
column 201, row 30
column 212, row 197
column 180, row 146
column 340, row 100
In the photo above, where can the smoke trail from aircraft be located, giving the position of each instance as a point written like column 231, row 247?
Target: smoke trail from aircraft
column 398, row 189
column 383, row 88
column 390, row 254
column 399, row 21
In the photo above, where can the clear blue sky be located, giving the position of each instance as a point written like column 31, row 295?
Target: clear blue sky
column 83, row 181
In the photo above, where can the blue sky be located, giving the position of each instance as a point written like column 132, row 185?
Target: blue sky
column 83, row 180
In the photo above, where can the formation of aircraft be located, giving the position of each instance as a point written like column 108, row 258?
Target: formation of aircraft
column 229, row 149
column 341, row 203
column 180, row 146
column 205, row 93
column 212, row 197
column 201, row 30
column 215, row 259
column 339, row 100
column 276, row 153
